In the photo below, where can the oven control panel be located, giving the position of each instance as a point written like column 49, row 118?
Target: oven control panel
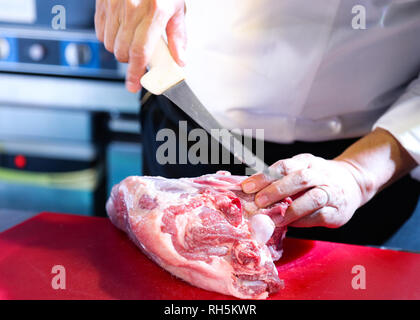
column 71, row 53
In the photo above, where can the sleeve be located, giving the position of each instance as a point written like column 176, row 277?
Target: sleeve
column 402, row 120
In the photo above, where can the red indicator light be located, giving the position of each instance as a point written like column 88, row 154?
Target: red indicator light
column 20, row 162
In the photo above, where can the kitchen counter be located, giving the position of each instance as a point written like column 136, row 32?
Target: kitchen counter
column 100, row 262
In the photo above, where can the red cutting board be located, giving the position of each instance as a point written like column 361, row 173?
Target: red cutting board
column 102, row 263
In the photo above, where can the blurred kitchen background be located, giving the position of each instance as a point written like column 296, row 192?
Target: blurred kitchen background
column 68, row 127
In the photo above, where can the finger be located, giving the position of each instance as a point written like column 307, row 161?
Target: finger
column 256, row 183
column 141, row 49
column 130, row 19
column 284, row 167
column 112, row 24
column 289, row 185
column 326, row 217
column 122, row 42
column 311, row 201
column 287, row 166
column 177, row 37
column 100, row 19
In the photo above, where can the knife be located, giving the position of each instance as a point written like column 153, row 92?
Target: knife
column 166, row 77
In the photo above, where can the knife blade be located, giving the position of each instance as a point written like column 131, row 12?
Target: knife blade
column 182, row 95
column 167, row 78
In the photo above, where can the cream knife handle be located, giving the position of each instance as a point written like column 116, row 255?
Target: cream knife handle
column 163, row 72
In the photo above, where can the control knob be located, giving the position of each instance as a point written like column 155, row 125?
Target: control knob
column 77, row 54
column 37, row 52
column 4, row 49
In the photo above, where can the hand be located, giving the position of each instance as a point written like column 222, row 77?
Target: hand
column 328, row 191
column 131, row 28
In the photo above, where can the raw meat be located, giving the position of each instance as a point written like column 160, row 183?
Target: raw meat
column 203, row 230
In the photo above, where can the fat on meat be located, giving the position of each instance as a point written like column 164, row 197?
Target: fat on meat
column 204, row 230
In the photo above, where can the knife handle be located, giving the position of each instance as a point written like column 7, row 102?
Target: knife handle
column 163, row 72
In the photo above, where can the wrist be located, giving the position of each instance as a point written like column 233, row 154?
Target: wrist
column 376, row 161
column 366, row 183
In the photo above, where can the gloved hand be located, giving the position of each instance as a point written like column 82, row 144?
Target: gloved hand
column 328, row 191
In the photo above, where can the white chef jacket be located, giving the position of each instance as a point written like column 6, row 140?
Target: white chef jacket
column 302, row 69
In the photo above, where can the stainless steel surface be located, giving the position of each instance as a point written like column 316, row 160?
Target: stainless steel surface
column 52, row 149
column 53, row 92
column 43, row 123
column 184, row 98
column 47, row 33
